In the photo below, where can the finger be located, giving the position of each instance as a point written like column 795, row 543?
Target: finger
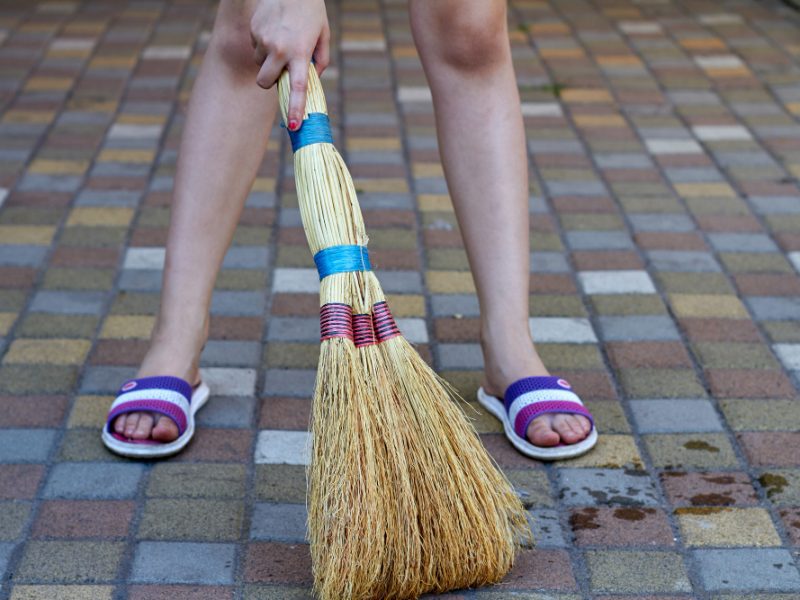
column 298, row 78
column 259, row 52
column 271, row 69
column 144, row 427
column 322, row 53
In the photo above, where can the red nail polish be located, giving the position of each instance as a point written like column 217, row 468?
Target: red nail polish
column 293, row 125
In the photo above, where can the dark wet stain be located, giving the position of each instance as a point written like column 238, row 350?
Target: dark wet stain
column 624, row 501
column 773, row 483
column 712, row 499
column 584, row 519
column 633, row 514
column 599, row 496
column 795, row 524
column 635, row 473
column 699, row 510
column 525, row 497
column 777, row 565
column 700, row 445
column 675, row 474
column 720, row 479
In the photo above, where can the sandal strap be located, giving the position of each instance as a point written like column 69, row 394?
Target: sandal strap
column 165, row 395
column 158, row 382
column 530, row 412
column 533, row 384
column 531, row 397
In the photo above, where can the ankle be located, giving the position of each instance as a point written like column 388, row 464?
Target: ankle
column 191, row 329
column 501, row 340
column 508, row 355
column 175, row 348
column 168, row 361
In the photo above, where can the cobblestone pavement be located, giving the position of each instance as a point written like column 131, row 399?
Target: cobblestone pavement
column 665, row 152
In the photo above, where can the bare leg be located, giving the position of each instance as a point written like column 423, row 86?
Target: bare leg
column 225, row 137
column 465, row 52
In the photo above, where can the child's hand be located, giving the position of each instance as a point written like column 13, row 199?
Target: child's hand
column 285, row 34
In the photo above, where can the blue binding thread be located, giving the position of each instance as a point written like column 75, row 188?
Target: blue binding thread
column 315, row 129
column 342, row 259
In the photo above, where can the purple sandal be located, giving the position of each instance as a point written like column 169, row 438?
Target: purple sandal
column 529, row 398
column 170, row 396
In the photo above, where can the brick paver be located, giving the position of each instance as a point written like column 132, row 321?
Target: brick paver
column 664, row 143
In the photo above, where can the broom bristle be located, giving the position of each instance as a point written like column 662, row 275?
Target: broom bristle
column 403, row 497
column 359, row 499
column 471, row 520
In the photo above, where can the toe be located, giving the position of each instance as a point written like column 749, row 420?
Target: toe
column 569, row 428
column 540, row 432
column 584, row 424
column 131, row 423
column 119, row 424
column 165, row 430
column 143, row 427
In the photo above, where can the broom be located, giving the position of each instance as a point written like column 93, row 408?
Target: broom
column 403, row 498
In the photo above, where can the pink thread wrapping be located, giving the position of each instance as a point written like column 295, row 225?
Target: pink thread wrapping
column 382, row 320
column 335, row 320
column 363, row 331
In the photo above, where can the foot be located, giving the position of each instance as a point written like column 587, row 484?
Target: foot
column 144, row 425
column 505, row 365
column 168, row 355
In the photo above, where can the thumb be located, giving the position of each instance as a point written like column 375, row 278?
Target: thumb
column 298, row 84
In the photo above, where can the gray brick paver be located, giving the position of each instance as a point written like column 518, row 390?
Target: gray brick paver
column 662, row 137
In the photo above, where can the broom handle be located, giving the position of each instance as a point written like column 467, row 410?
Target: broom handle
column 321, row 172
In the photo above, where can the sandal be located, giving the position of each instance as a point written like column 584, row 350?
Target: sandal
column 529, row 398
column 170, row 396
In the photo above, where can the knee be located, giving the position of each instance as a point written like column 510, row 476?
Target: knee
column 472, row 40
column 230, row 42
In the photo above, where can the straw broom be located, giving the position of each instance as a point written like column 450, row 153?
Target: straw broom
column 403, row 498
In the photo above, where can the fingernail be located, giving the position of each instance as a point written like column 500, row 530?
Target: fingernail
column 293, row 125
